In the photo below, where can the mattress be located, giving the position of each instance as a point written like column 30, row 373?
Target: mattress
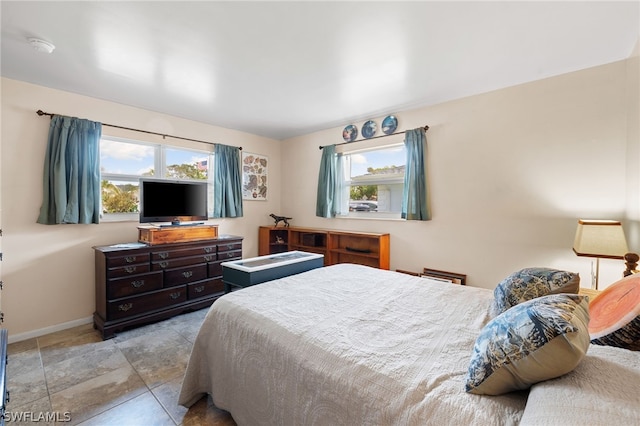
column 345, row 345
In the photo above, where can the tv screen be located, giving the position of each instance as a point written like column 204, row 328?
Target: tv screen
column 172, row 201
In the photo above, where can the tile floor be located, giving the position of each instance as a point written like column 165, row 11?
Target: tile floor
column 73, row 377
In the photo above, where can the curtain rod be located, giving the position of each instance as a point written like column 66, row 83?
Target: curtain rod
column 374, row 137
column 164, row 136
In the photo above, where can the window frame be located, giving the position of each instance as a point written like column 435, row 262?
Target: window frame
column 345, row 150
column 159, row 172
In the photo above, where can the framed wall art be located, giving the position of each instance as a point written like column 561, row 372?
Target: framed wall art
column 254, row 176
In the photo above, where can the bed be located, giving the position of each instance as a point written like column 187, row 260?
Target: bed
column 353, row 345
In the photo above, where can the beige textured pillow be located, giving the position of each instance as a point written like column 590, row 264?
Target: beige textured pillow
column 534, row 341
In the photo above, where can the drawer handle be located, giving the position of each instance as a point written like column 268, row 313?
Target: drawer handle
column 137, row 283
column 130, row 259
column 187, row 274
column 208, row 258
column 163, row 255
column 130, row 269
column 175, row 295
column 164, row 264
column 208, row 249
column 199, row 289
column 125, row 307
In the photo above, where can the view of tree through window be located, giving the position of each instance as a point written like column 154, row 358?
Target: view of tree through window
column 122, row 163
column 119, row 198
column 376, row 180
column 363, row 192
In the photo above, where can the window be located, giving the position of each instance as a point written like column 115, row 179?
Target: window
column 374, row 177
column 123, row 162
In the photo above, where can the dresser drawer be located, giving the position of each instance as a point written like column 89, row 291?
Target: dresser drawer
column 228, row 255
column 177, row 276
column 134, row 284
column 184, row 252
column 205, row 288
column 123, row 271
column 129, row 259
column 215, row 268
column 182, row 261
column 142, row 303
column 230, row 246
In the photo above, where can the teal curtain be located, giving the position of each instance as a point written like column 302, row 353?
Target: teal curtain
column 227, row 182
column 330, row 183
column 415, row 200
column 71, row 178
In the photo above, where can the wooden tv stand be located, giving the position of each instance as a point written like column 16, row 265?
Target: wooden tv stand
column 138, row 283
column 154, row 234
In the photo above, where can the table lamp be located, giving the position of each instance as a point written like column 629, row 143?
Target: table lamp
column 599, row 239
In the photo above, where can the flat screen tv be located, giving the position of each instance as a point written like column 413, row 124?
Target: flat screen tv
column 172, row 201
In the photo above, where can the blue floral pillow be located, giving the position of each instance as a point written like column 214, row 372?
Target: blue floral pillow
column 534, row 341
column 530, row 283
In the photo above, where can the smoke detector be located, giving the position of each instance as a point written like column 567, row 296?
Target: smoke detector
column 41, row 45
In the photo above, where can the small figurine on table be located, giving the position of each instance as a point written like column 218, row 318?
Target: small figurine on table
column 279, row 219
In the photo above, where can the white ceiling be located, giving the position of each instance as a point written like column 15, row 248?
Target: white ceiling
column 281, row 69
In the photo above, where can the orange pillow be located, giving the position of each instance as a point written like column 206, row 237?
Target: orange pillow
column 615, row 315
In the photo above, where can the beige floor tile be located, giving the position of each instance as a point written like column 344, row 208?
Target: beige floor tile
column 188, row 325
column 97, row 360
column 70, row 334
column 23, row 362
column 158, row 357
column 24, row 415
column 143, row 410
column 25, row 345
column 204, row 412
column 132, row 333
column 26, row 387
column 167, row 394
column 133, row 379
column 70, row 346
column 97, row 395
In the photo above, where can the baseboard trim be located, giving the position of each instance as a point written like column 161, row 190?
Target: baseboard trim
column 52, row 329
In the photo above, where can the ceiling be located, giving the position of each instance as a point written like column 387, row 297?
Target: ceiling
column 282, row 69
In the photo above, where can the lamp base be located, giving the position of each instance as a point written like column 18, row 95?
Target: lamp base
column 594, row 277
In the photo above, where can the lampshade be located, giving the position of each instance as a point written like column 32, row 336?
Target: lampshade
column 600, row 238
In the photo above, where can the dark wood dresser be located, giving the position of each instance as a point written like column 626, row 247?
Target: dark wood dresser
column 137, row 283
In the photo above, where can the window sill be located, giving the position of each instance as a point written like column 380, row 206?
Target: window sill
column 365, row 216
column 120, row 217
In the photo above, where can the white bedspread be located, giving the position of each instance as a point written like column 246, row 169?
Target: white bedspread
column 345, row 345
column 603, row 390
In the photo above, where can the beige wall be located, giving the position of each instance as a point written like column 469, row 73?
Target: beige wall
column 48, row 270
column 633, row 148
column 511, row 171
